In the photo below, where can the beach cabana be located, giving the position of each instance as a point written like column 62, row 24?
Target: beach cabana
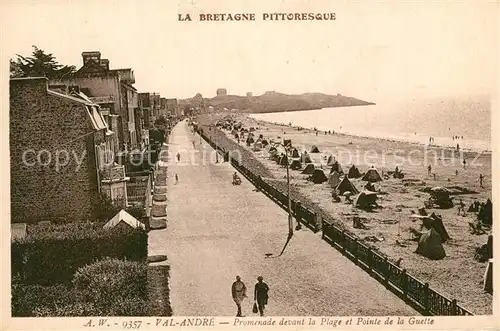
column 318, row 176
column 296, row 164
column 309, row 169
column 366, row 200
column 314, row 149
column 331, row 160
column 295, row 153
column 436, row 222
column 429, row 245
column 372, row 176
column 345, row 185
column 334, row 179
column 283, row 160
column 353, row 172
column 336, row 167
column 306, row 158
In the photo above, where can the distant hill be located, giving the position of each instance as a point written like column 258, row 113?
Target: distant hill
column 277, row 102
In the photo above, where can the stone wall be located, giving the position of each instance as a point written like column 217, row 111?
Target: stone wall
column 47, row 131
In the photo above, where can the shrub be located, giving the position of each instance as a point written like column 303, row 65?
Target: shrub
column 26, row 299
column 106, row 280
column 51, row 254
column 109, row 287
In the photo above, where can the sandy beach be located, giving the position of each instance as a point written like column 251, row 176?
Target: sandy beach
column 458, row 275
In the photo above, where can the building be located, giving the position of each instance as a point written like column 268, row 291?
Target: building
column 155, row 105
column 163, row 107
column 173, row 109
column 113, row 91
column 145, row 104
column 61, row 152
column 221, row 92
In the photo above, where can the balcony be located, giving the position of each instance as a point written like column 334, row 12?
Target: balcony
column 115, row 173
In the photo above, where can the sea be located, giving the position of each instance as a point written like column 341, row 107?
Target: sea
column 465, row 121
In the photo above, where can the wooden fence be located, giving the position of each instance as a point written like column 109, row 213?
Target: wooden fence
column 412, row 290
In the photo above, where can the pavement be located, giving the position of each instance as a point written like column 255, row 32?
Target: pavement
column 217, row 231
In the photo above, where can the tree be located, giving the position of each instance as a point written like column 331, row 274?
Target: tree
column 39, row 64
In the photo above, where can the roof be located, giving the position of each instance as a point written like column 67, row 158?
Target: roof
column 70, row 97
column 95, row 115
column 123, row 216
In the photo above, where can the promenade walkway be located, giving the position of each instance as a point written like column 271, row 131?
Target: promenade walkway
column 217, row 231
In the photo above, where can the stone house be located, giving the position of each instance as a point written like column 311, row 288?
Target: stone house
column 113, row 90
column 60, row 146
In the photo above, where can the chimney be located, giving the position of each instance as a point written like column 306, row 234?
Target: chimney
column 104, row 64
column 94, row 56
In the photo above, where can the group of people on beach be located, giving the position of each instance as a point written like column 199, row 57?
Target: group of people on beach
column 260, row 295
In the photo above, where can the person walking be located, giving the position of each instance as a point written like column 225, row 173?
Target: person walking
column 481, row 178
column 178, row 157
column 429, row 170
column 176, row 179
column 260, row 295
column 461, row 207
column 239, row 292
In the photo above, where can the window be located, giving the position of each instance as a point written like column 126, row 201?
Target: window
column 118, row 193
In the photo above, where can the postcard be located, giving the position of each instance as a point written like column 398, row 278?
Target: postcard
column 283, row 164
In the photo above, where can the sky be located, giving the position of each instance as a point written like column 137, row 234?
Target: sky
column 373, row 50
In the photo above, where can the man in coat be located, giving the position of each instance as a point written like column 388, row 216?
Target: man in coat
column 261, row 294
column 239, row 292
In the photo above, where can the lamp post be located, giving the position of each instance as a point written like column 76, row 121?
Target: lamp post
column 290, row 218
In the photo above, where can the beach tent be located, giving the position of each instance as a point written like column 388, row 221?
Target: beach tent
column 436, row 222
column 334, row 179
column 295, row 153
column 309, row 169
column 365, row 199
column 346, row 185
column 283, row 160
column 331, row 160
column 264, row 142
column 296, row 164
column 258, row 145
column 124, row 219
column 274, row 156
column 372, row 176
column 318, row 176
column 314, row 149
column 485, row 214
column 353, row 172
column 272, row 149
column 488, row 278
column 250, row 140
column 278, row 158
column 306, row 158
column 429, row 245
column 485, row 252
column 336, row 167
